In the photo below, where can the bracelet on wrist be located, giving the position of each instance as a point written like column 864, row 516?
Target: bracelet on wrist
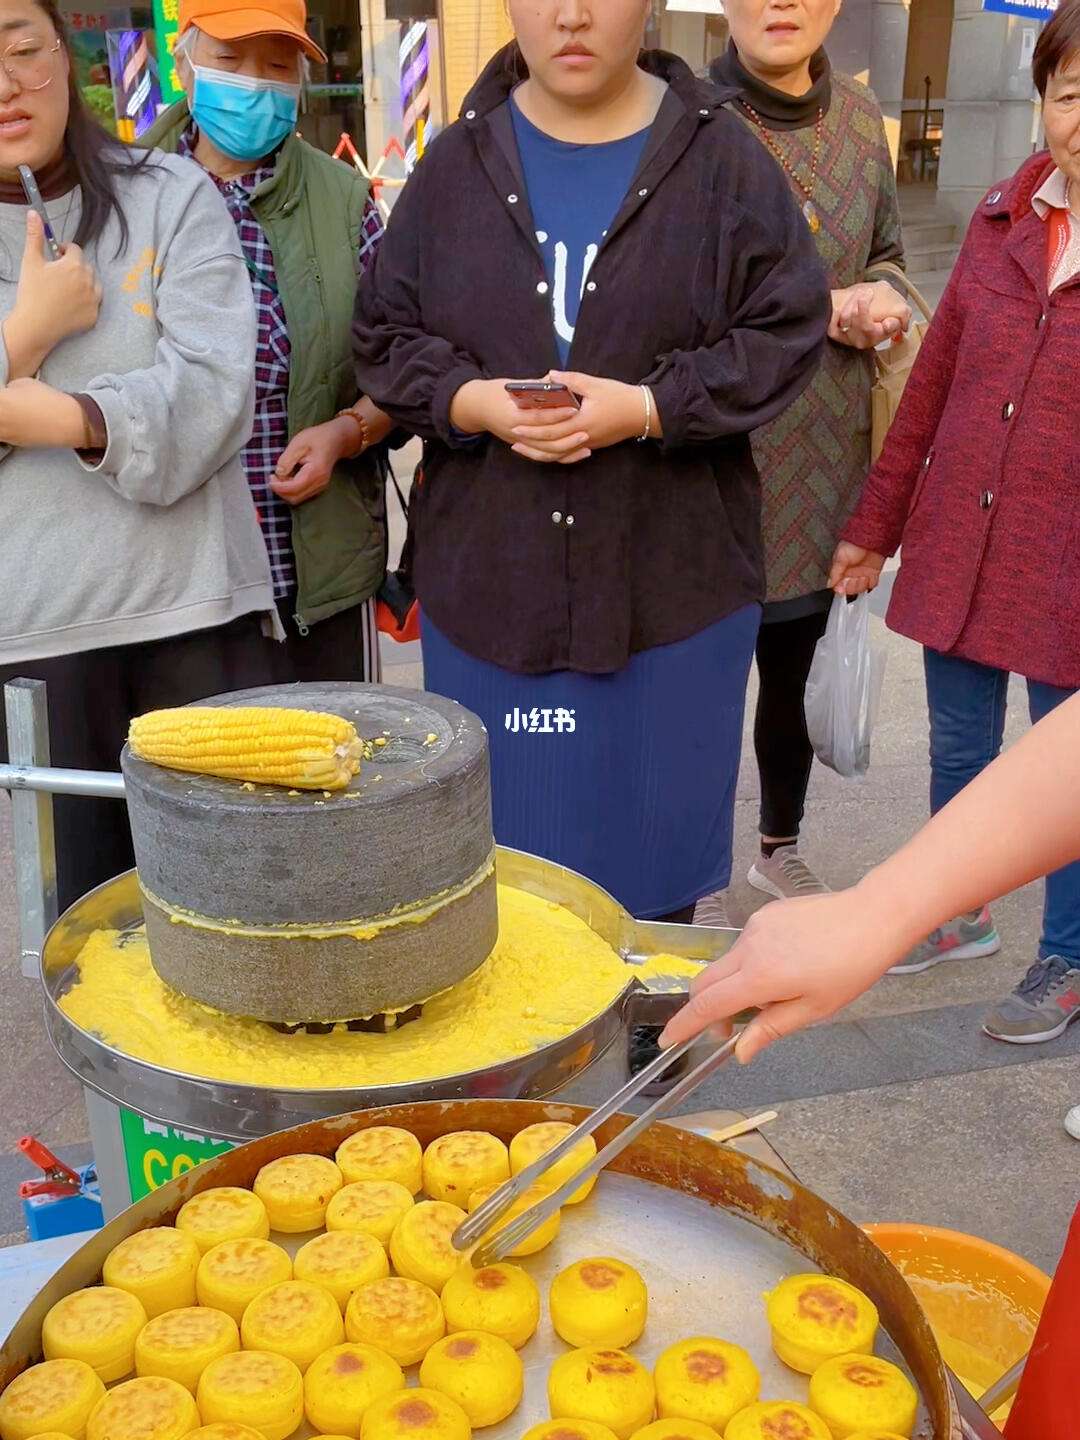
column 646, row 394
column 351, row 413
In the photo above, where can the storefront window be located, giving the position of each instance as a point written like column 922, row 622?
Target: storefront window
column 334, row 104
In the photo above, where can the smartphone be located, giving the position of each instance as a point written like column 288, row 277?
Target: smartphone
column 542, row 395
column 33, row 198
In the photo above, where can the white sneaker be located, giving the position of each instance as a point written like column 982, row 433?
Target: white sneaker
column 1072, row 1122
column 712, row 910
column 785, row 876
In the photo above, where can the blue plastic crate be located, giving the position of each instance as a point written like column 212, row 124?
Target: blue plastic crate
column 50, row 1215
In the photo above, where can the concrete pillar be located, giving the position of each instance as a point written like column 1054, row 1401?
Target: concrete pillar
column 849, row 40
column 888, row 61
column 990, row 110
column 382, row 98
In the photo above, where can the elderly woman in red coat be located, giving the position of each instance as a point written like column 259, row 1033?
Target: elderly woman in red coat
column 980, row 482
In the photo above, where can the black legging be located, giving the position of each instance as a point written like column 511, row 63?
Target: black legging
column 784, row 754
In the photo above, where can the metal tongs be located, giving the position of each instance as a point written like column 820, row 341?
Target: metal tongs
column 505, row 1241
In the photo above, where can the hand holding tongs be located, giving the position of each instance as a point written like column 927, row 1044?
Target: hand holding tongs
column 506, row 1240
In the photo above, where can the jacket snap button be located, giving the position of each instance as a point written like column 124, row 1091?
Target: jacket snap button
column 569, row 519
column 591, row 286
column 643, row 193
column 511, row 199
column 542, row 288
column 703, row 112
column 986, row 499
column 556, row 517
column 470, row 114
column 1008, row 410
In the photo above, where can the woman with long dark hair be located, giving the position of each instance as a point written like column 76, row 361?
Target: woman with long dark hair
column 132, row 569
column 591, row 576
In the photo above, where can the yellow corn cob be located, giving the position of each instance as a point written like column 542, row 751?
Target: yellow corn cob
column 267, row 745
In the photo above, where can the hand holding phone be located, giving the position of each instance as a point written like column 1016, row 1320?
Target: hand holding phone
column 34, row 200
column 542, row 395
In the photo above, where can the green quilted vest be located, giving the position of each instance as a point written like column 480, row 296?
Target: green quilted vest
column 311, row 212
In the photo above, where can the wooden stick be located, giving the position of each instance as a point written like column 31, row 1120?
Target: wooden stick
column 742, row 1127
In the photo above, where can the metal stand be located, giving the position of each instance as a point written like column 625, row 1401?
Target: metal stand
column 32, row 782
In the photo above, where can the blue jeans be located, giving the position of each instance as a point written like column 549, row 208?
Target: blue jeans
column 967, row 721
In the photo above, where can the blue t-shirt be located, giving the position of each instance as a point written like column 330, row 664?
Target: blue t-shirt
column 575, row 192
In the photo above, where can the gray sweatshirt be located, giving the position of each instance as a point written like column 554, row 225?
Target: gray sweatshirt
column 162, row 537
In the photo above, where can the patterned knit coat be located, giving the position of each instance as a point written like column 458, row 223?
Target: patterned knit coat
column 814, row 458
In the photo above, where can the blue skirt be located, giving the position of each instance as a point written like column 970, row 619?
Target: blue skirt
column 629, row 777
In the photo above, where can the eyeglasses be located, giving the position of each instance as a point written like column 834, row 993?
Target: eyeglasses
column 30, row 64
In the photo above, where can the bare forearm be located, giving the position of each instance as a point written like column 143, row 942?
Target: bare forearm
column 26, row 351
column 1019, row 820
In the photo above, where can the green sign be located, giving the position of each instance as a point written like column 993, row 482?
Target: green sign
column 166, row 26
column 156, row 1153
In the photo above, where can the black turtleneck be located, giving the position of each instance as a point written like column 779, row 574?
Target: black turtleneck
column 53, row 180
column 778, row 110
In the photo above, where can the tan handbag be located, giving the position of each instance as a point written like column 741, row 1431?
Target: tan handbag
column 893, row 366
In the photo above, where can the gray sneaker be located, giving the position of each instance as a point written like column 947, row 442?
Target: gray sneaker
column 968, row 938
column 712, row 910
column 785, row 875
column 1042, row 1006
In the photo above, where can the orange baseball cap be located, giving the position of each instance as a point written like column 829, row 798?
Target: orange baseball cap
column 240, row 19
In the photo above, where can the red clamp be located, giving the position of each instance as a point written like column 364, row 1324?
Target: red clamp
column 56, row 1189
column 49, row 1164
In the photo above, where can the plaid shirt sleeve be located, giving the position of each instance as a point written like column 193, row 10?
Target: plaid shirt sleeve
column 372, row 230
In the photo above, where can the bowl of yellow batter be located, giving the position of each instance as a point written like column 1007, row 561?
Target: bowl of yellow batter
column 548, row 1000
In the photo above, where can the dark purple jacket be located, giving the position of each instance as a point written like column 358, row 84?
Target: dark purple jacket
column 707, row 287
column 980, row 476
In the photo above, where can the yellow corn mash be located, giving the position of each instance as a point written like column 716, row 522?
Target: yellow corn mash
column 548, row 975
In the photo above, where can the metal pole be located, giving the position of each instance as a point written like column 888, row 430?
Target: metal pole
column 105, row 784
column 32, row 817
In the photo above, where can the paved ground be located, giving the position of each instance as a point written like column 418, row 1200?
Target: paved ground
column 901, row 1111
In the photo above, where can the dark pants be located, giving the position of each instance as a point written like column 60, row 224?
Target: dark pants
column 967, row 721
column 785, row 650
column 93, row 695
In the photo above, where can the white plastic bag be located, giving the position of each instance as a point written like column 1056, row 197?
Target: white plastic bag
column 843, row 689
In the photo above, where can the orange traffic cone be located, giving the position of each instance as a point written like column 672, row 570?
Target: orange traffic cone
column 1047, row 1406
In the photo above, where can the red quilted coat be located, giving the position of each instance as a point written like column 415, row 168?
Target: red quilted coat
column 980, row 476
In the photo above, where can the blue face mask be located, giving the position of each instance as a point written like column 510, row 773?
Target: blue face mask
column 244, row 117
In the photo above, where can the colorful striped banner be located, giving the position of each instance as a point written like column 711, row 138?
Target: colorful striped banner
column 415, row 89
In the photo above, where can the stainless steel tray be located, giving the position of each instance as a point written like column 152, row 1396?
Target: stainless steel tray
column 234, row 1111
column 710, row 1229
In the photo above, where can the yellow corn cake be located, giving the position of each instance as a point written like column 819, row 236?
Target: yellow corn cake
column 293, row 1319
column 421, row 1247
column 599, row 1302
column 157, row 1266
column 814, row 1317
column 55, row 1396
column 403, row 1317
column 863, row 1392
column 343, row 1382
column 98, row 1325
column 341, row 1261
column 254, row 1388
column 498, row 1299
column 296, row 1191
column 224, row 1213
column 705, row 1379
column 608, row 1386
column 382, row 1152
column 481, row 1372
